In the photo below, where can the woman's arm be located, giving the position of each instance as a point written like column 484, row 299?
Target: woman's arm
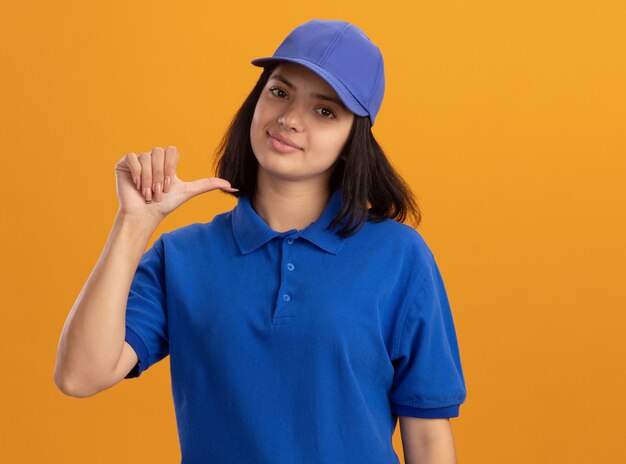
column 427, row 441
column 94, row 332
column 92, row 353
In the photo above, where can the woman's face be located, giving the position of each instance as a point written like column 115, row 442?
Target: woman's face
column 293, row 105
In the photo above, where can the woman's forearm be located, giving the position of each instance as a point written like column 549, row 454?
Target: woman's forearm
column 93, row 334
column 427, row 441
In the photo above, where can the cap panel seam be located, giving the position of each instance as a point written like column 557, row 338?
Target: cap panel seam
column 333, row 43
column 380, row 67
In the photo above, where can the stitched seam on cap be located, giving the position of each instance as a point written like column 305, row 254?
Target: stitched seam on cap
column 333, row 42
column 380, row 68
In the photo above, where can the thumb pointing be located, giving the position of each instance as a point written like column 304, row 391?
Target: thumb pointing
column 207, row 184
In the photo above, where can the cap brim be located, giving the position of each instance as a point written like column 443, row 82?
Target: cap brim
column 342, row 91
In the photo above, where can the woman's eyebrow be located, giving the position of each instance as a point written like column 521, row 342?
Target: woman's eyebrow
column 314, row 95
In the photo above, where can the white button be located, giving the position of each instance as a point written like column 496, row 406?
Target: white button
column 286, row 297
column 290, row 266
column 289, row 241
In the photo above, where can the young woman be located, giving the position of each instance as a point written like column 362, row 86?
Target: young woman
column 301, row 324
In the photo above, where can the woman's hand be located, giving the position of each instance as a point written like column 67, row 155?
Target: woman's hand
column 147, row 184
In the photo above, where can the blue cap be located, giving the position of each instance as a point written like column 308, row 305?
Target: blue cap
column 343, row 56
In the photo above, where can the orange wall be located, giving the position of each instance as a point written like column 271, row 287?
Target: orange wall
column 506, row 118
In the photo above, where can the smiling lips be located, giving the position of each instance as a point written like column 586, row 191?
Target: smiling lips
column 282, row 144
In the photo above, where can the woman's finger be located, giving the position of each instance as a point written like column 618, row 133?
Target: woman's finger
column 169, row 168
column 146, row 176
column 135, row 168
column 158, row 157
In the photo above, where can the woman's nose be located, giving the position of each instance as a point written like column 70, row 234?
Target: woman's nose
column 291, row 119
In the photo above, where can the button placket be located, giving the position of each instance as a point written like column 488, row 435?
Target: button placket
column 285, row 295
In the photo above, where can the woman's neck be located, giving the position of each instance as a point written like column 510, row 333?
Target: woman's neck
column 289, row 207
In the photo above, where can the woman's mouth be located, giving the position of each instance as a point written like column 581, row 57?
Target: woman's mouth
column 280, row 146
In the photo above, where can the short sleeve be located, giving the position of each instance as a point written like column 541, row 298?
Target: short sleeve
column 428, row 376
column 146, row 312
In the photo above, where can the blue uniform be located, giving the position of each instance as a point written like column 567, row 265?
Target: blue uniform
column 297, row 346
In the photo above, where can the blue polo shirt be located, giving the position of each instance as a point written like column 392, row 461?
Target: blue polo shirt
column 297, row 346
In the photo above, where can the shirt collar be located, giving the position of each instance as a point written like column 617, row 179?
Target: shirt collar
column 251, row 231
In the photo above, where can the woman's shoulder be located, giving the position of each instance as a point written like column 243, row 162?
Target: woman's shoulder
column 199, row 230
column 399, row 234
column 398, row 248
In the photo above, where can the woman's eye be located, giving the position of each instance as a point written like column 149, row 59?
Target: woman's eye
column 273, row 89
column 329, row 114
column 280, row 93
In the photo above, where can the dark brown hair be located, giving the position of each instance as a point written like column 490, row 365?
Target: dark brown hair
column 371, row 187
